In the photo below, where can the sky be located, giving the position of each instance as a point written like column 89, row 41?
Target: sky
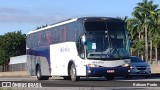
column 27, row 15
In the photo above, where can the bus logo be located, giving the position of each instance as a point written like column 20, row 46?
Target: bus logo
column 65, row 49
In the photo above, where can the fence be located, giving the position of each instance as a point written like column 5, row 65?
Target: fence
column 13, row 67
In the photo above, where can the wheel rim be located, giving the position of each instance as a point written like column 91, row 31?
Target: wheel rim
column 38, row 74
column 73, row 72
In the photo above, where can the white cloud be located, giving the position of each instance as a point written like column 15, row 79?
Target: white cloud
column 29, row 19
column 12, row 11
column 10, row 15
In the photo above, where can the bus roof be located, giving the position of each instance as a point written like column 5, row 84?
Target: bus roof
column 53, row 25
column 75, row 19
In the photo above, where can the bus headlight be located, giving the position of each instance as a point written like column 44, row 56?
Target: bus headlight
column 125, row 65
column 92, row 65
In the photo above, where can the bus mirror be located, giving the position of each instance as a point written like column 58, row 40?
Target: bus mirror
column 83, row 40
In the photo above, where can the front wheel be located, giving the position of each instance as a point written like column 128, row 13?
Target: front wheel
column 73, row 73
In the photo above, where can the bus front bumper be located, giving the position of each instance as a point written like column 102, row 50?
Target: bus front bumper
column 99, row 71
column 105, row 71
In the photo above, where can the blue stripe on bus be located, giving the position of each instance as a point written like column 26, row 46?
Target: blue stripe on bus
column 40, row 51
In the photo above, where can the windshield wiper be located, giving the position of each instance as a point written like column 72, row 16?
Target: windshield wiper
column 109, row 41
column 118, row 53
column 108, row 37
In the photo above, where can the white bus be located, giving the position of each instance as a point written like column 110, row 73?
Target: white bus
column 79, row 47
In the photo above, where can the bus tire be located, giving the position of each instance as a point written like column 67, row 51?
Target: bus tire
column 38, row 73
column 73, row 73
column 110, row 77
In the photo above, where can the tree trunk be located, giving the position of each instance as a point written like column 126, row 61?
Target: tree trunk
column 138, row 54
column 146, row 44
column 150, row 56
column 2, row 68
column 142, row 57
column 156, row 55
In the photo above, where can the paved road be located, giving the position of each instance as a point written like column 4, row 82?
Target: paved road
column 57, row 83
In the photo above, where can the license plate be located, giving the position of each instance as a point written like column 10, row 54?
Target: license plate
column 110, row 71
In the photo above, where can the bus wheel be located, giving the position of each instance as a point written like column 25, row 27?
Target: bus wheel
column 110, row 77
column 73, row 74
column 38, row 73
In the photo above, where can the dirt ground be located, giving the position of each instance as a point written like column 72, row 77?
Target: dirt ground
column 154, row 69
column 14, row 74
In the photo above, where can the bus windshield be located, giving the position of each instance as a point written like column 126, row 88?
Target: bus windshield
column 106, row 40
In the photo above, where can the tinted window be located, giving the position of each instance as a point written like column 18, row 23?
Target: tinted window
column 103, row 25
column 32, row 40
column 71, row 32
column 54, row 35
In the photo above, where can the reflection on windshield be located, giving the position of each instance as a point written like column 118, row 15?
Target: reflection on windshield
column 110, row 46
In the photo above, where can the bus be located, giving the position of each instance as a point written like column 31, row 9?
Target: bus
column 79, row 47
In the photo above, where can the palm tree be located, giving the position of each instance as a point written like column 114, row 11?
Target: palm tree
column 153, row 25
column 136, row 36
column 156, row 38
column 140, row 12
column 144, row 12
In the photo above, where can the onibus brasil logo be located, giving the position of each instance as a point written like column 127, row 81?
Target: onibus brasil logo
column 19, row 84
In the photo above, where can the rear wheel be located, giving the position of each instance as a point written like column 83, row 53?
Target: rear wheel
column 39, row 74
column 73, row 73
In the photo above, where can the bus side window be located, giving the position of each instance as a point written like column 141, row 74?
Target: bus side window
column 29, row 41
column 39, row 38
column 60, row 35
column 65, row 34
column 54, row 36
column 43, row 40
column 48, row 37
column 35, row 40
